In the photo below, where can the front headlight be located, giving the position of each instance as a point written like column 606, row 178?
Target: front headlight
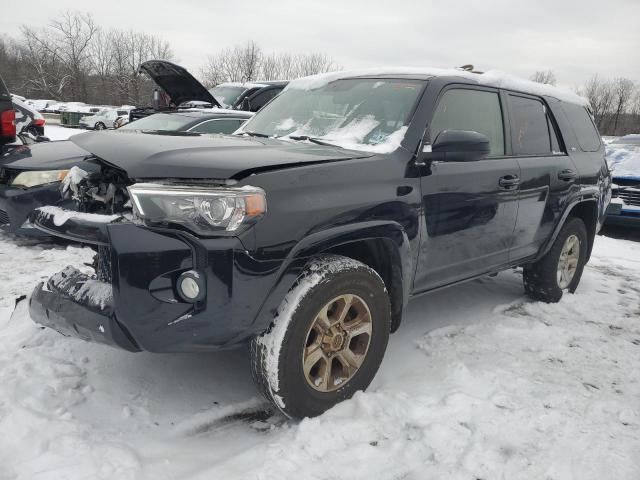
column 204, row 210
column 38, row 177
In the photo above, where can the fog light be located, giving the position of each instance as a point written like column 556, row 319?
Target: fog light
column 190, row 286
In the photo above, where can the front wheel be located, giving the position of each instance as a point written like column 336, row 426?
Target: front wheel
column 327, row 339
column 561, row 268
column 100, row 126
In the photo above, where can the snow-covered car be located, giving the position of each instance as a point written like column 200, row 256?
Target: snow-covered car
column 28, row 119
column 623, row 156
column 249, row 96
column 30, row 174
column 103, row 119
column 306, row 233
column 40, row 105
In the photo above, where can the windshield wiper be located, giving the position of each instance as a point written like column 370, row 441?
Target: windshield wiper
column 255, row 134
column 311, row 139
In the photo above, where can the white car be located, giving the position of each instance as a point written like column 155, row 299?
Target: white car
column 103, row 119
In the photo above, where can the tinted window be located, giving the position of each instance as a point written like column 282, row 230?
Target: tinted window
column 529, row 127
column 226, row 125
column 261, row 99
column 4, row 93
column 474, row 110
column 585, row 130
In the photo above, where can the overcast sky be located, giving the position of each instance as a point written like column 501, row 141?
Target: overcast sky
column 575, row 38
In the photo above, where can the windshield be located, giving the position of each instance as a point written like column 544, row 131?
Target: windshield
column 160, row 121
column 361, row 114
column 226, row 96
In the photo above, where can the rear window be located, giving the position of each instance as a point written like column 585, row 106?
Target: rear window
column 583, row 127
column 530, row 127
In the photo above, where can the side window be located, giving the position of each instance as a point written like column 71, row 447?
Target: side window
column 476, row 110
column 530, row 127
column 585, row 130
column 225, row 125
column 261, row 99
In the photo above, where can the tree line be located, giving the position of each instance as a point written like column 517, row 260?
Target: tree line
column 615, row 102
column 75, row 59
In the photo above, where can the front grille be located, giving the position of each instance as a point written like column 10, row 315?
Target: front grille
column 103, row 264
column 630, row 197
column 4, row 218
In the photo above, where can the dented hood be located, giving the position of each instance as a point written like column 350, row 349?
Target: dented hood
column 152, row 156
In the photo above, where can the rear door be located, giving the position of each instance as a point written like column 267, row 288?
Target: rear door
column 547, row 173
column 470, row 207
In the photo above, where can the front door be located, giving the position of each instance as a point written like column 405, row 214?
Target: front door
column 470, row 208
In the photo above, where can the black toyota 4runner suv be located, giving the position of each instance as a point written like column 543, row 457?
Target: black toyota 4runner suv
column 307, row 234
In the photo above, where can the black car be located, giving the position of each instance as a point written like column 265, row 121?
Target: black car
column 7, row 117
column 31, row 175
column 184, row 91
column 306, row 236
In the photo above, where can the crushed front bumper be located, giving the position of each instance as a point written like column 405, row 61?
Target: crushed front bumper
column 141, row 267
column 76, row 305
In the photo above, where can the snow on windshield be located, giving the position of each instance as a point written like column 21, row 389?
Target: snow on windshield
column 623, row 159
column 357, row 114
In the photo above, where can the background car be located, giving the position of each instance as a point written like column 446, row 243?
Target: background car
column 30, row 175
column 7, row 117
column 28, row 119
column 181, row 90
column 623, row 156
column 103, row 119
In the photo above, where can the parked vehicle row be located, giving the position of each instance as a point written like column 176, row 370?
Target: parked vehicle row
column 306, row 232
column 624, row 156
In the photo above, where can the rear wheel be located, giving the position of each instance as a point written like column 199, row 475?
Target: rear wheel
column 327, row 339
column 561, row 268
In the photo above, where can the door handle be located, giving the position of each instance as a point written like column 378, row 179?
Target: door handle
column 509, row 182
column 567, row 175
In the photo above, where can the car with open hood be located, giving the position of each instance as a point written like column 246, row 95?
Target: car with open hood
column 32, row 175
column 623, row 155
column 307, row 232
column 185, row 91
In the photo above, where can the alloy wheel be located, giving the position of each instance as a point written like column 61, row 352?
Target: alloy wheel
column 337, row 343
column 568, row 261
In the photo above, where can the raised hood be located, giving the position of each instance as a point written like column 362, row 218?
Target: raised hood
column 44, row 156
column 179, row 84
column 153, row 156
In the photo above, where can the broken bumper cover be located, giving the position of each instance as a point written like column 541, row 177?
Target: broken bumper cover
column 77, row 305
column 141, row 268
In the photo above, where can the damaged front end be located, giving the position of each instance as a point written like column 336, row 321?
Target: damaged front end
column 133, row 296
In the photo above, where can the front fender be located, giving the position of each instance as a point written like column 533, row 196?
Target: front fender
column 324, row 241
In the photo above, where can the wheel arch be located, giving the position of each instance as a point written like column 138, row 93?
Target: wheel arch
column 587, row 211
column 383, row 246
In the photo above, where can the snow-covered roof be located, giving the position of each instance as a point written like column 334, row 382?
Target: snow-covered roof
column 493, row 78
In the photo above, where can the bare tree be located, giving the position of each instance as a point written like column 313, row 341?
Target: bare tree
column 600, row 95
column 544, row 76
column 622, row 94
column 72, row 36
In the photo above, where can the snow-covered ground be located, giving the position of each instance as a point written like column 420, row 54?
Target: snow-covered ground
column 479, row 383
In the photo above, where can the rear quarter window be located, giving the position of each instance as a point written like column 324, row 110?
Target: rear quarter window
column 582, row 124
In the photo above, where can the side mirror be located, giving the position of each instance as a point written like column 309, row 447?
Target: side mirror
column 460, row 146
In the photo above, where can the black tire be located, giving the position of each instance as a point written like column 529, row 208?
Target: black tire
column 276, row 355
column 541, row 278
column 100, row 126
